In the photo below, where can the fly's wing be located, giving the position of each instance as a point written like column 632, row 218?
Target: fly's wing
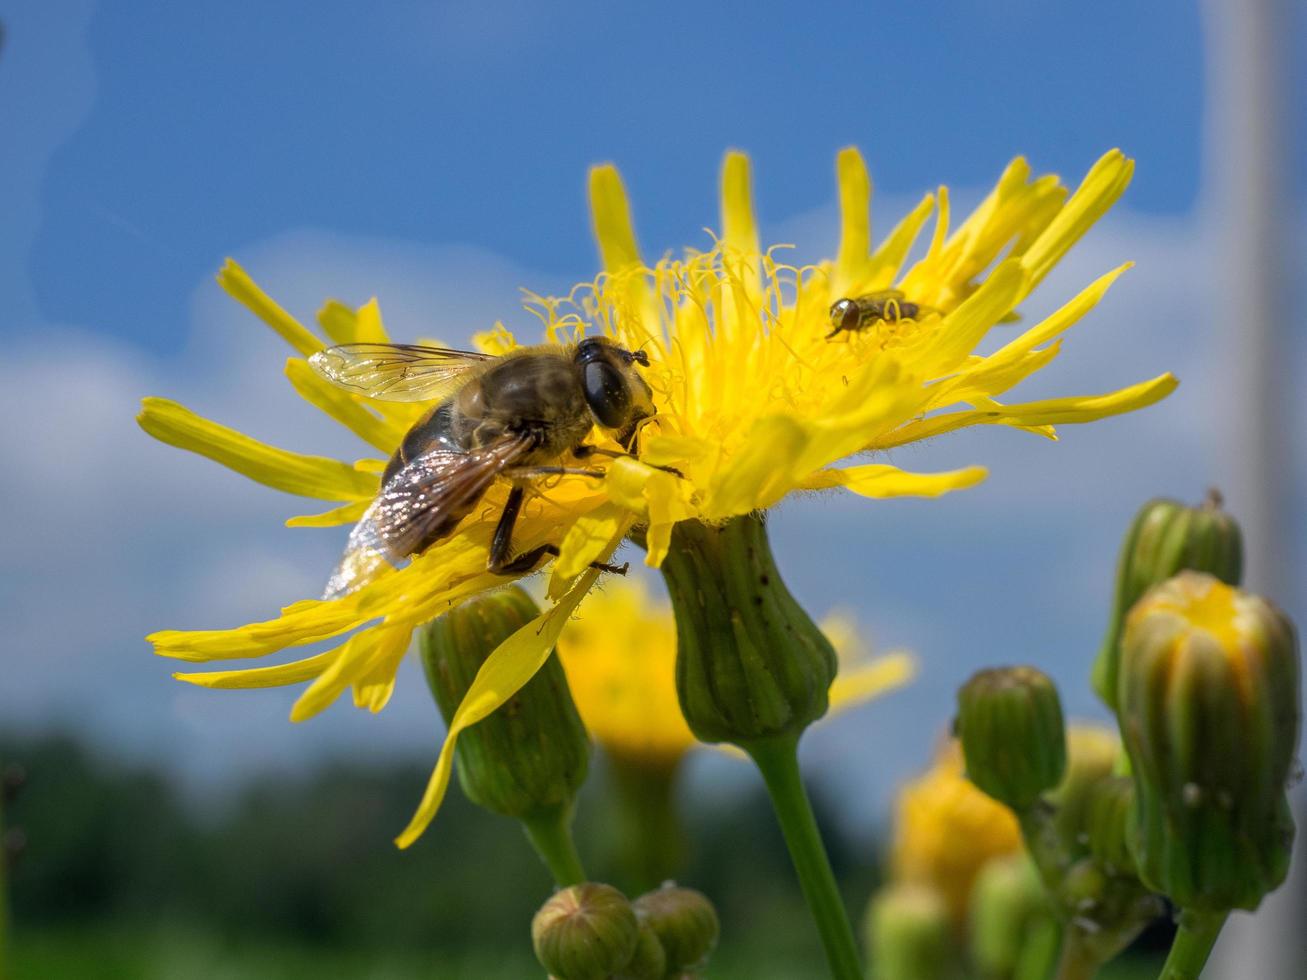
column 396, row 372
column 422, row 502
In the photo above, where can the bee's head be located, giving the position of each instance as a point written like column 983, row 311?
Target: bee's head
column 618, row 397
column 843, row 316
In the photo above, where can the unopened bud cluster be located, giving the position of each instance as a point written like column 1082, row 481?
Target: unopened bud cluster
column 1190, row 804
column 592, row 932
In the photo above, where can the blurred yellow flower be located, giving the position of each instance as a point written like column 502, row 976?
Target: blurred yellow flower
column 753, row 400
column 946, row 830
column 620, row 656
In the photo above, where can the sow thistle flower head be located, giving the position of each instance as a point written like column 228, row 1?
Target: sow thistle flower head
column 753, row 400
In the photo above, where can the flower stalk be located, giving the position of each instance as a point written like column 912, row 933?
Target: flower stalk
column 1193, row 945
column 652, row 841
column 753, row 670
column 778, row 761
column 550, row 833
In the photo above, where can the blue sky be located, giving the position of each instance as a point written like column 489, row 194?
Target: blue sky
column 435, row 155
column 197, row 130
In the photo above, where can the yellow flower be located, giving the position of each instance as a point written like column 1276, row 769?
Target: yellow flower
column 620, row 658
column 753, row 402
column 946, row 830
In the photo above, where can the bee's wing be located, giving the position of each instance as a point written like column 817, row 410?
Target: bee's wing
column 424, row 499
column 884, row 295
column 396, row 372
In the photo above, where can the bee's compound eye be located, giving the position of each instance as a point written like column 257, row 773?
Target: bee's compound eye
column 843, row 315
column 607, row 393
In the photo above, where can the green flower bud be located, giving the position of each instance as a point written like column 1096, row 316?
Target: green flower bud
column 750, row 662
column 908, row 934
column 649, row 961
column 685, row 923
column 586, row 932
column 1210, row 706
column 1092, row 756
column 1010, row 725
column 531, row 755
column 1009, row 913
column 1108, row 820
column 1166, row 538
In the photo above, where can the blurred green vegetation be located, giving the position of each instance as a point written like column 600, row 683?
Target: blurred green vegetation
column 294, row 876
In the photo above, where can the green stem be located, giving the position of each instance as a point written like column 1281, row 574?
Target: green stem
column 778, row 761
column 651, row 841
column 1193, row 944
column 550, row 833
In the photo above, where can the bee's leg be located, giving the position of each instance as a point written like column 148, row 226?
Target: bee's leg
column 527, row 472
column 501, row 545
column 585, row 449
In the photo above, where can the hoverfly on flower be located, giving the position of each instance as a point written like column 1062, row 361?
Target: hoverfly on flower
column 861, row 312
column 514, row 416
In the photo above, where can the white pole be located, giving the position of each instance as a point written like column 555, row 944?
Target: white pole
column 1248, row 209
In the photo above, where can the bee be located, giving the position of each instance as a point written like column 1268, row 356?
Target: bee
column 514, row 417
column 889, row 306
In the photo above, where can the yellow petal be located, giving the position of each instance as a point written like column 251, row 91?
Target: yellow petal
column 610, row 212
column 1013, row 362
column 1105, row 182
column 368, row 327
column 255, row 677
column 757, row 476
column 855, row 220
column 513, row 663
column 880, row 480
column 308, row 476
column 342, row 406
column 888, row 257
column 365, row 653
column 243, row 289
column 338, row 322
column 1053, row 411
column 967, row 325
column 344, row 514
column 593, row 537
column 858, row 684
column 739, row 228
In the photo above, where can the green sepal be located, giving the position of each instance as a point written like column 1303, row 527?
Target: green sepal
column 750, row 663
column 531, row 755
